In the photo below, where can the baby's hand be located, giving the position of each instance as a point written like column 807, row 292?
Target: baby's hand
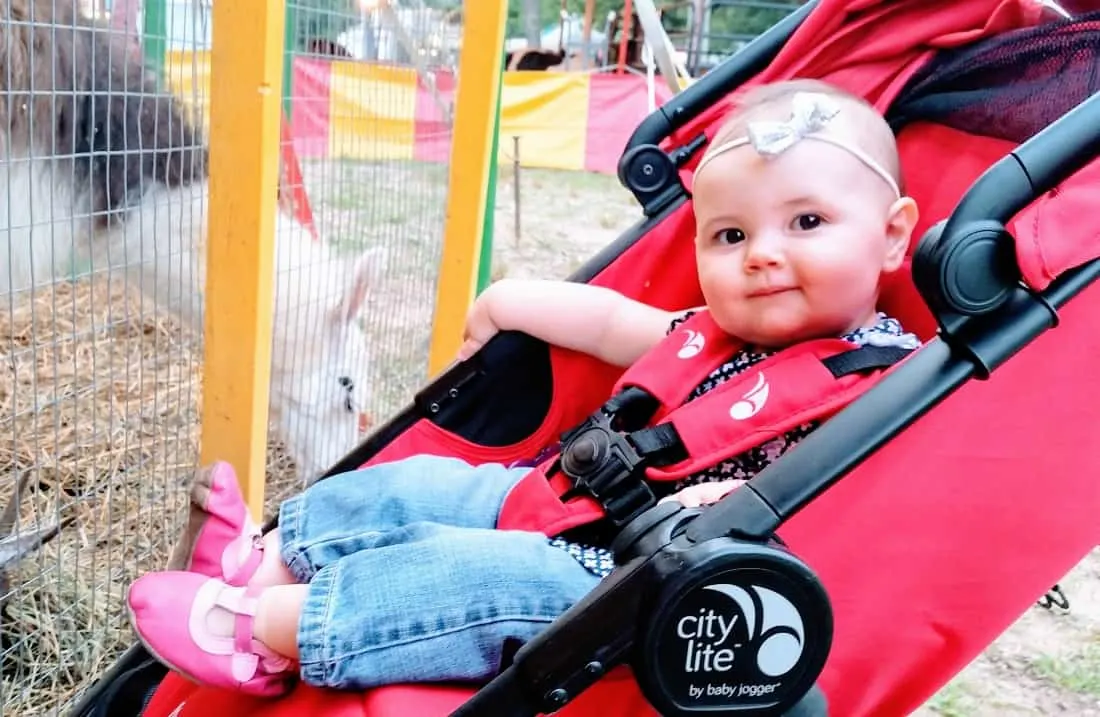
column 480, row 326
column 704, row 493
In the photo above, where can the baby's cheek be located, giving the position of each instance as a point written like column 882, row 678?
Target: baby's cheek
column 718, row 287
column 730, row 316
column 851, row 273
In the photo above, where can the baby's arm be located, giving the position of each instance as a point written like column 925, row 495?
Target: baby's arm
column 590, row 319
column 704, row 493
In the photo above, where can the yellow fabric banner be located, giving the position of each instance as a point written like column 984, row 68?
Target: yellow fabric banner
column 372, row 110
column 188, row 76
column 548, row 111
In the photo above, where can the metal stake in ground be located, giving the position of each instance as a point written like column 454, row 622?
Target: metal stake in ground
column 515, row 181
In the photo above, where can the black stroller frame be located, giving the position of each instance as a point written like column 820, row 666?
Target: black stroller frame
column 667, row 557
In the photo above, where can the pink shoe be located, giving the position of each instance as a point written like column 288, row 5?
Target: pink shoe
column 220, row 540
column 157, row 604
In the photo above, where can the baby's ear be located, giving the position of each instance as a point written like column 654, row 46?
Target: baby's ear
column 900, row 222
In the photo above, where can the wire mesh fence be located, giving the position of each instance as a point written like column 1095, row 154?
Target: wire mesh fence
column 99, row 388
column 103, row 134
column 369, row 105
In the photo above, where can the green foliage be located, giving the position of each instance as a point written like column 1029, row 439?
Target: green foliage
column 328, row 18
column 747, row 20
column 729, row 19
column 550, row 11
column 321, row 18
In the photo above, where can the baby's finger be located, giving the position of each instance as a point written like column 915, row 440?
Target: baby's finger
column 690, row 499
column 468, row 348
column 718, row 491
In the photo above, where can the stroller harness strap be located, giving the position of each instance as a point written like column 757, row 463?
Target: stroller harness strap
column 649, row 430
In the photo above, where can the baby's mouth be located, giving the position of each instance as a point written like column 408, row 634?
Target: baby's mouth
column 769, row 291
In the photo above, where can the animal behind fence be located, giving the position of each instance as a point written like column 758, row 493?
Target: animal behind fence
column 104, row 171
column 84, row 133
column 17, row 541
column 320, row 354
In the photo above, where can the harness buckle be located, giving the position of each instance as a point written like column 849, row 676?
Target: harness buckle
column 602, row 463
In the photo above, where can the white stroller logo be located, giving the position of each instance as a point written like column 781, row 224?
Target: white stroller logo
column 753, row 400
column 780, row 651
column 693, row 345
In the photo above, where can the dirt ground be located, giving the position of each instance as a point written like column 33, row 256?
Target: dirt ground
column 1048, row 663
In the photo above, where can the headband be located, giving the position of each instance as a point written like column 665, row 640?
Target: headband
column 811, row 113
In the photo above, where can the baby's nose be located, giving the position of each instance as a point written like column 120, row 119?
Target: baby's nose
column 763, row 250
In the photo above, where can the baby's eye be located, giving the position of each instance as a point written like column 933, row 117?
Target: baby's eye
column 807, row 222
column 730, row 236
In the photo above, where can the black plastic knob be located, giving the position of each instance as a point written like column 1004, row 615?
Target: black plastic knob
column 646, row 170
column 972, row 272
column 585, row 453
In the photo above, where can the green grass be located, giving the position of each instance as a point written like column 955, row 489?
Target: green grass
column 573, row 181
column 363, row 204
column 1078, row 672
column 400, row 193
column 953, row 700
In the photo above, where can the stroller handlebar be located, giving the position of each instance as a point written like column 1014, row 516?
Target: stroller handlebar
column 967, row 265
column 727, row 77
column 1034, row 168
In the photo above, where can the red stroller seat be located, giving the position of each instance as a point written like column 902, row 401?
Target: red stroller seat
column 936, row 542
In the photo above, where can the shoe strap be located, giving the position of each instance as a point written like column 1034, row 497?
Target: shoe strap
column 250, row 655
column 250, row 565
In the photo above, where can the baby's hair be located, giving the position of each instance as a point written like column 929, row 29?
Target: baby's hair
column 869, row 128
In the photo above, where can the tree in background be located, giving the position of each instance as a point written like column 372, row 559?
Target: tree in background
column 522, row 14
column 748, row 19
column 325, row 19
column 728, row 18
column 528, row 18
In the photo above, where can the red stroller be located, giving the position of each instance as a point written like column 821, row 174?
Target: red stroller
column 943, row 529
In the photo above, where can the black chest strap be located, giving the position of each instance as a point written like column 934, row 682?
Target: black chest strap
column 605, row 456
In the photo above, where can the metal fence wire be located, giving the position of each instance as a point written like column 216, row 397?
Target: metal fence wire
column 369, row 99
column 104, row 208
column 99, row 388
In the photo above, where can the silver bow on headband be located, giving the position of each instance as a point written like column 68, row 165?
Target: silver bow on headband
column 810, row 112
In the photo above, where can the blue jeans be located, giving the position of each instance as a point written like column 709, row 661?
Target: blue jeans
column 408, row 579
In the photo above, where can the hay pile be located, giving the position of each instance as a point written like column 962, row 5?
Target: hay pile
column 100, row 400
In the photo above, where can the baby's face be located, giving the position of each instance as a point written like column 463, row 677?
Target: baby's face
column 793, row 247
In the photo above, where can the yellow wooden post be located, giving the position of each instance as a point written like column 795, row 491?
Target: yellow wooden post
column 246, row 79
column 479, row 67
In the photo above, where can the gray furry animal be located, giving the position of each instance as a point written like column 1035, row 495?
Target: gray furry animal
column 84, row 135
column 16, row 545
column 103, row 170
